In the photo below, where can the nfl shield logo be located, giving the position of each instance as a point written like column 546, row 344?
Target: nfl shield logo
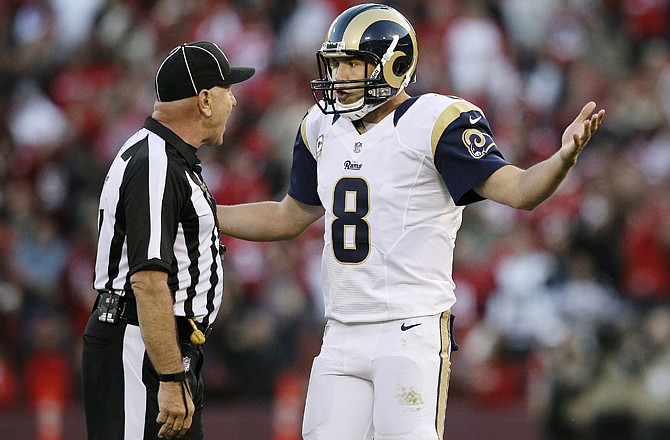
column 319, row 147
column 358, row 146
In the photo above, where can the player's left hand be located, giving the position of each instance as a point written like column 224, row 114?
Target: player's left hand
column 577, row 134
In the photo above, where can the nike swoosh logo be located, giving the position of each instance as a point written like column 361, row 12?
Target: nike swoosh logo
column 404, row 327
column 475, row 120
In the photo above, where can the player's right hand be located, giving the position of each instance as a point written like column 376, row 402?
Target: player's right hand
column 175, row 409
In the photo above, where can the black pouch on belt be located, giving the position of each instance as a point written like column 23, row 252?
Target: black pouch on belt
column 108, row 307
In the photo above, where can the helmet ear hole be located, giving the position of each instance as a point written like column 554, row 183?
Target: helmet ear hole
column 399, row 67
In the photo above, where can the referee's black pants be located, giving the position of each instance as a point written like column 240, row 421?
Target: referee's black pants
column 120, row 385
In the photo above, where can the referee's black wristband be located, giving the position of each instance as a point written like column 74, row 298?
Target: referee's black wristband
column 176, row 377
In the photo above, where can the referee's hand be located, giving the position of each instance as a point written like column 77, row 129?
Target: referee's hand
column 175, row 409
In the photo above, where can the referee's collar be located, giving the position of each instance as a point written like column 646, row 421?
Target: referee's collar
column 186, row 150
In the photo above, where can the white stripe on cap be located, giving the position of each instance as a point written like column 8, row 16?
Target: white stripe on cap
column 188, row 68
column 172, row 52
column 223, row 78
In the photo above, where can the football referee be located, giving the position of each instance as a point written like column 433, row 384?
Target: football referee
column 158, row 269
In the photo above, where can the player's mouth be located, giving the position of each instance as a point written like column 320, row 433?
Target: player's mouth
column 344, row 97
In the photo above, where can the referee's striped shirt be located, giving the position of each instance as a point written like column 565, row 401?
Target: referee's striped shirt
column 155, row 211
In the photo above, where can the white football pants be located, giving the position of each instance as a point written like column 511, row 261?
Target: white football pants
column 381, row 381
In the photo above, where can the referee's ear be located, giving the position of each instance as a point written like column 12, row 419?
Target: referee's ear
column 204, row 100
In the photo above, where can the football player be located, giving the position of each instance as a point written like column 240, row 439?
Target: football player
column 391, row 174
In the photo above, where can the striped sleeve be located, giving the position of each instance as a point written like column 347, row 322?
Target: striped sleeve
column 150, row 199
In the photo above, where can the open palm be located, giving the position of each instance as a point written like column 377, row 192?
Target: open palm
column 577, row 134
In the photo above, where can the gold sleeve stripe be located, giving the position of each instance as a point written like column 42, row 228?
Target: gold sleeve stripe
column 303, row 127
column 449, row 115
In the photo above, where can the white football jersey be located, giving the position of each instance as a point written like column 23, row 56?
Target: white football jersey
column 393, row 198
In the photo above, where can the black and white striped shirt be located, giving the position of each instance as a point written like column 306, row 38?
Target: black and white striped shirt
column 155, row 211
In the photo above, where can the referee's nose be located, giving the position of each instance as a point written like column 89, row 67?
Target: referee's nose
column 233, row 100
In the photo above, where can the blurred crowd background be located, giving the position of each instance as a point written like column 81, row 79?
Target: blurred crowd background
column 564, row 308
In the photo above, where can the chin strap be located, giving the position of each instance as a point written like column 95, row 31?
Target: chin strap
column 354, row 115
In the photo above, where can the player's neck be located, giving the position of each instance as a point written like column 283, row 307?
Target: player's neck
column 385, row 109
column 362, row 126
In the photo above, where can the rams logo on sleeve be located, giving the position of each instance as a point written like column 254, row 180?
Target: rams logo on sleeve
column 477, row 143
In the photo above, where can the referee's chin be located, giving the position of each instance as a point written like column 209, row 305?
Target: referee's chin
column 214, row 142
column 219, row 140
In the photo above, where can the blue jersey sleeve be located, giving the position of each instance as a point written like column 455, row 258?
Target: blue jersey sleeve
column 302, row 184
column 466, row 155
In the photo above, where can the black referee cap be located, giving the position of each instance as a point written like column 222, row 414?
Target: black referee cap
column 191, row 67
